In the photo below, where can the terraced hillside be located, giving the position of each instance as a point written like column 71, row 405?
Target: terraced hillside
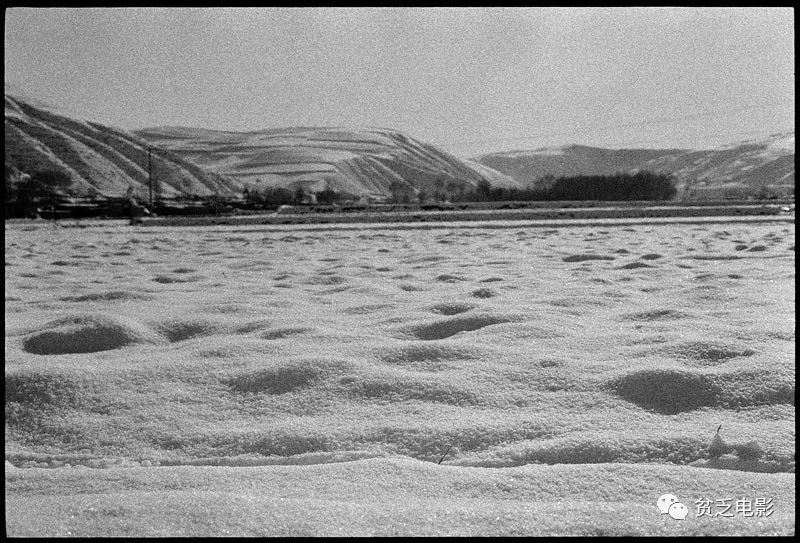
column 101, row 160
column 361, row 162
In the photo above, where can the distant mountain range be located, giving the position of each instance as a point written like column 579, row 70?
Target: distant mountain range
column 102, row 161
column 359, row 162
column 743, row 168
column 107, row 161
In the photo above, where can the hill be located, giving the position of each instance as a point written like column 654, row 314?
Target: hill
column 740, row 169
column 100, row 160
column 751, row 167
column 106, row 161
column 530, row 166
column 377, row 162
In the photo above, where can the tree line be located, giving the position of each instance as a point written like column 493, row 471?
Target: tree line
column 642, row 185
column 271, row 196
column 26, row 194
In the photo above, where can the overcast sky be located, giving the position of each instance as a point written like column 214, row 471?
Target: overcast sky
column 470, row 80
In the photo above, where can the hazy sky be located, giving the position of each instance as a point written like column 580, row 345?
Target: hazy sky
column 470, row 80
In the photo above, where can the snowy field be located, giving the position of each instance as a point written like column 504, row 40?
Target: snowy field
column 294, row 381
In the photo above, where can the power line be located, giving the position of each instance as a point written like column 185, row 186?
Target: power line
column 729, row 137
column 715, row 113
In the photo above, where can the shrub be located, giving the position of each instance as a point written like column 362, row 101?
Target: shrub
column 749, row 451
column 718, row 447
column 269, row 196
column 327, row 196
column 43, row 188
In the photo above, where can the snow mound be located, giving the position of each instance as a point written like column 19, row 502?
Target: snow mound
column 111, row 296
column 666, row 391
column 595, row 449
column 87, row 334
column 700, row 353
column 253, row 326
column 753, row 387
column 669, row 391
column 732, row 462
column 182, row 329
column 584, row 257
column 42, row 389
column 286, row 377
column 634, row 266
column 656, row 315
column 281, row 333
column 402, row 388
column 483, row 293
column 451, row 308
column 426, row 356
column 450, row 327
column 301, row 459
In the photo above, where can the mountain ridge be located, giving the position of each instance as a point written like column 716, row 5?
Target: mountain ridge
column 380, row 162
column 741, row 168
column 376, row 162
column 101, row 160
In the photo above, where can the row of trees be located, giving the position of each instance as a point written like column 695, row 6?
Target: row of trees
column 25, row 195
column 618, row 187
column 270, row 196
column 621, row 186
column 273, row 196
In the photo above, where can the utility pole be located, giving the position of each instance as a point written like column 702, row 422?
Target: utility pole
column 150, row 177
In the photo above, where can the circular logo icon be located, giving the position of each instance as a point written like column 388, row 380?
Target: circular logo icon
column 678, row 511
column 665, row 501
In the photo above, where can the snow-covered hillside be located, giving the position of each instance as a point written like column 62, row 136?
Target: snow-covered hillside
column 745, row 166
column 102, row 161
column 530, row 166
column 355, row 161
column 766, row 163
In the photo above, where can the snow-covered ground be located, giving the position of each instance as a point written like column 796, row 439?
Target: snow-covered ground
column 230, row 381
